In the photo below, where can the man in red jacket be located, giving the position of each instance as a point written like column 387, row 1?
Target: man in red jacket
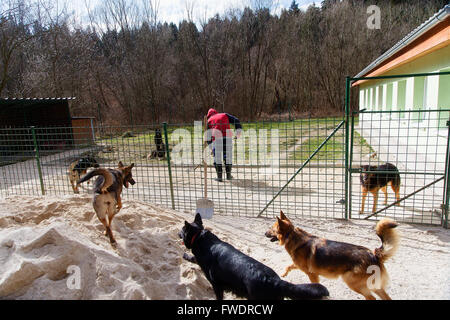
column 220, row 135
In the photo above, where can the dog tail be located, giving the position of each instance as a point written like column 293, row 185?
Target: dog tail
column 390, row 239
column 396, row 181
column 99, row 172
column 302, row 291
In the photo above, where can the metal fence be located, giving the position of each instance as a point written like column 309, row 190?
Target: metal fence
column 416, row 142
column 307, row 167
column 36, row 161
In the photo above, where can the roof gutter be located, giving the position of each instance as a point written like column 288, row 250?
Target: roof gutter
column 422, row 29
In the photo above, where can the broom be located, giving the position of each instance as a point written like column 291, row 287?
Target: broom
column 205, row 206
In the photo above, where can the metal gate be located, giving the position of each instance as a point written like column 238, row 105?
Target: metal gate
column 413, row 138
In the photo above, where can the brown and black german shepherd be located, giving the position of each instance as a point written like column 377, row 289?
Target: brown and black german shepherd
column 108, row 188
column 374, row 181
column 361, row 269
column 79, row 168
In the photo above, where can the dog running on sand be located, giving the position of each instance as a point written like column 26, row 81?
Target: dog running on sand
column 317, row 256
column 108, row 187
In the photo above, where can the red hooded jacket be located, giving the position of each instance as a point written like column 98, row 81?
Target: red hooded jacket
column 221, row 122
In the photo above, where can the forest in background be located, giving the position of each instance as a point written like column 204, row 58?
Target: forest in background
column 127, row 67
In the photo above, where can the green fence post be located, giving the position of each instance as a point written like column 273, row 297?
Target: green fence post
column 352, row 138
column 166, row 138
column 347, row 142
column 446, row 182
column 38, row 161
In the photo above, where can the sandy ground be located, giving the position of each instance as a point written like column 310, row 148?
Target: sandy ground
column 41, row 237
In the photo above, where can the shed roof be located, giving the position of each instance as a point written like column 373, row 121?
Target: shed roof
column 30, row 101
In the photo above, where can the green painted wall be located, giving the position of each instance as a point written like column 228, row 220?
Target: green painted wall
column 389, row 90
column 401, row 97
column 437, row 61
column 419, row 94
column 380, row 98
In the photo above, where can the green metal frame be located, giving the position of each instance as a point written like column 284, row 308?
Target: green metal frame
column 38, row 161
column 169, row 167
column 301, row 167
column 350, row 142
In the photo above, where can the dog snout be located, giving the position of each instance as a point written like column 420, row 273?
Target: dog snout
column 270, row 234
column 132, row 182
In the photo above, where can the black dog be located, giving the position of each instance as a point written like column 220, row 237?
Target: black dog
column 79, row 168
column 379, row 179
column 160, row 151
column 227, row 268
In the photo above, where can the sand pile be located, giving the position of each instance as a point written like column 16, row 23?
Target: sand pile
column 41, row 239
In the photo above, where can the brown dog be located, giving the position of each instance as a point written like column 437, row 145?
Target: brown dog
column 321, row 257
column 108, row 188
column 374, row 178
column 79, row 168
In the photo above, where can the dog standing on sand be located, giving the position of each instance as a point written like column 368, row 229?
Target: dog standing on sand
column 78, row 168
column 108, row 189
column 373, row 181
column 332, row 259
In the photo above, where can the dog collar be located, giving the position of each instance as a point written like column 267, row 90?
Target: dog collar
column 194, row 237
column 287, row 235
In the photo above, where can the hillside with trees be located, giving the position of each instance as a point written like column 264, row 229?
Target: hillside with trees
column 128, row 67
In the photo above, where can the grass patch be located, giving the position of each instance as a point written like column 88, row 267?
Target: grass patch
column 333, row 150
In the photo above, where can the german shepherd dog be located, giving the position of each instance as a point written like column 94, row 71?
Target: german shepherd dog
column 374, row 181
column 160, row 151
column 108, row 186
column 227, row 268
column 79, row 168
column 321, row 257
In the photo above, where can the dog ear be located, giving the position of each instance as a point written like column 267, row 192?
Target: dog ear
column 279, row 220
column 282, row 216
column 198, row 219
column 282, row 224
column 186, row 224
column 120, row 164
column 131, row 166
